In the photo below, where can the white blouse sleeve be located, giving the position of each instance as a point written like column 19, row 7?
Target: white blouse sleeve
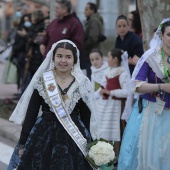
column 104, row 81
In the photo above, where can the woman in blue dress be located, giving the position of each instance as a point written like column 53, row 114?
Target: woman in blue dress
column 64, row 96
column 146, row 140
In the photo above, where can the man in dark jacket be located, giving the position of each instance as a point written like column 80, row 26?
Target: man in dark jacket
column 93, row 30
column 93, row 27
column 65, row 26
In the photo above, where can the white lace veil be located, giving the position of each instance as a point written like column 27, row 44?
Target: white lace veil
column 156, row 41
column 124, row 62
column 127, row 109
column 19, row 113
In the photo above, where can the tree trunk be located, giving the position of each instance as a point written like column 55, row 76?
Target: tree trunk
column 151, row 14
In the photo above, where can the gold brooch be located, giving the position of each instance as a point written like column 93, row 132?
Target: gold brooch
column 64, row 97
column 51, row 87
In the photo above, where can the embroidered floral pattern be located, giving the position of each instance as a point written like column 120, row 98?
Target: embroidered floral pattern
column 50, row 147
column 156, row 63
column 51, row 87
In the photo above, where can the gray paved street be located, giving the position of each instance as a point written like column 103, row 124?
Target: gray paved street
column 9, row 132
column 6, row 149
column 3, row 166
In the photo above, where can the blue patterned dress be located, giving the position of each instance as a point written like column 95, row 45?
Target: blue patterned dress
column 48, row 145
column 146, row 139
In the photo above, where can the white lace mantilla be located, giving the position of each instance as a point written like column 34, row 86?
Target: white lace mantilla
column 76, row 91
column 82, row 88
column 73, row 95
column 155, row 61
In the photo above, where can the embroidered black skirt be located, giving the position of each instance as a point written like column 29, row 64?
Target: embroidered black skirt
column 49, row 146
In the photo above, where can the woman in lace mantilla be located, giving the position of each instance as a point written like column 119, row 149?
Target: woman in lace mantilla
column 146, row 141
column 63, row 95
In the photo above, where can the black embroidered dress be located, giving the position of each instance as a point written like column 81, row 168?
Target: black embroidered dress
column 49, row 146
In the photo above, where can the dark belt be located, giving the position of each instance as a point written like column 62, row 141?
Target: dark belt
column 140, row 105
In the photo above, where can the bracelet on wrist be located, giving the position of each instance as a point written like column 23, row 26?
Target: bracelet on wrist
column 159, row 89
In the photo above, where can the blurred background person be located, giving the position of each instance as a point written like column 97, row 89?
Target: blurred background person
column 47, row 21
column 112, row 95
column 98, row 68
column 135, row 23
column 93, row 30
column 34, row 5
column 128, row 41
column 65, row 26
column 19, row 49
column 12, row 32
column 33, row 38
column 21, row 10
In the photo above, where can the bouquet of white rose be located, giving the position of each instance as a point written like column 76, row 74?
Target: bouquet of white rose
column 101, row 154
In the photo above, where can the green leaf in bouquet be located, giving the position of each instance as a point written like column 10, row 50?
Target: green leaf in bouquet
column 89, row 145
column 104, row 140
column 107, row 167
column 91, row 161
column 115, row 159
column 110, row 163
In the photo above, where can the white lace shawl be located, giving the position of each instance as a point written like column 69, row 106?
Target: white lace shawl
column 98, row 73
column 155, row 61
column 83, row 86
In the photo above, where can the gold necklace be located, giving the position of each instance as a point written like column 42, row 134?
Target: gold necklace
column 63, row 80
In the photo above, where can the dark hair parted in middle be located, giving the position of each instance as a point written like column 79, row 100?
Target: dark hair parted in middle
column 96, row 50
column 166, row 24
column 117, row 53
column 68, row 46
column 122, row 17
column 92, row 6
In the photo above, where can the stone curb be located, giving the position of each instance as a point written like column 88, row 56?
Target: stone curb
column 9, row 130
